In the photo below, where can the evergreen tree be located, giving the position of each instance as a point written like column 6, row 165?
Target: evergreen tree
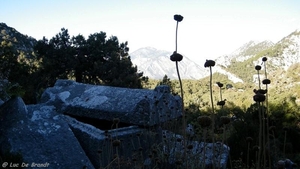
column 97, row 60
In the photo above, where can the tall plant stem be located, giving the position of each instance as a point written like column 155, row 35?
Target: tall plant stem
column 259, row 137
column 211, row 96
column 248, row 151
column 259, row 87
column 221, row 94
column 267, row 114
column 264, row 136
column 183, row 113
column 182, row 102
column 176, row 37
column 213, row 115
column 284, row 142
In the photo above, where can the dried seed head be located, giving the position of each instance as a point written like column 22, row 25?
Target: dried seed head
column 221, row 103
column 178, row 18
column 116, row 120
column 257, row 67
column 264, row 59
column 220, row 84
column 178, row 139
column 272, row 128
column 249, row 139
column 190, row 146
column 256, row 148
column 225, row 120
column 260, row 91
column 116, row 143
column 176, row 57
column 204, row 121
column 209, row 63
column 178, row 162
column 266, row 81
column 258, row 97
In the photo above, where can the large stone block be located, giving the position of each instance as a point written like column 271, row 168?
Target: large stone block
column 109, row 148
column 141, row 107
column 199, row 154
column 40, row 135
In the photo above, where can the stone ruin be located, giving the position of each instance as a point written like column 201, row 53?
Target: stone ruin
column 86, row 126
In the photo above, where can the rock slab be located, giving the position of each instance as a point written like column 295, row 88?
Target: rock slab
column 142, row 107
column 40, row 135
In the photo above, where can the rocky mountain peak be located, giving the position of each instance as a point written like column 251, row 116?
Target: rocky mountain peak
column 156, row 63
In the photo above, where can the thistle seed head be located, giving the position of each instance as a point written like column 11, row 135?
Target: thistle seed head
column 257, row 67
column 204, row 121
column 209, row 63
column 178, row 18
column 225, row 120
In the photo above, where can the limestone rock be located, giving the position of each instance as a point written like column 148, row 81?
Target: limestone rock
column 99, row 144
column 199, row 154
column 141, row 107
column 40, row 135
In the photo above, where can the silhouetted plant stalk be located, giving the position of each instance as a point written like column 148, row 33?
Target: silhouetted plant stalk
column 266, row 82
column 225, row 120
column 259, row 98
column 205, row 122
column 249, row 141
column 116, row 143
column 210, row 64
column 176, row 57
column 221, row 102
column 284, row 142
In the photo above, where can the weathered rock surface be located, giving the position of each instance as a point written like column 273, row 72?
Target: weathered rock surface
column 141, row 107
column 199, row 154
column 104, row 147
column 40, row 135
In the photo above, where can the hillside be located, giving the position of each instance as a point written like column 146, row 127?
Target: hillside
column 237, row 71
column 156, row 63
column 22, row 44
column 281, row 56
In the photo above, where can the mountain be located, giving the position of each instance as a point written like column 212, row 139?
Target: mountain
column 281, row 56
column 156, row 63
column 238, row 66
column 287, row 51
column 244, row 52
column 22, row 44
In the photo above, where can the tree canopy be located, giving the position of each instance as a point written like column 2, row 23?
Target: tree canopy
column 30, row 66
column 96, row 60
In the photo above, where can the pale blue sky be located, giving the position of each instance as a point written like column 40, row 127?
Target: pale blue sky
column 209, row 28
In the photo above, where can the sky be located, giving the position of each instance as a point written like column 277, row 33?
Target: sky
column 210, row 28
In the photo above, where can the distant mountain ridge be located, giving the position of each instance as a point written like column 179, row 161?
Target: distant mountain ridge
column 156, row 63
column 22, row 43
column 244, row 52
column 281, row 56
column 237, row 66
